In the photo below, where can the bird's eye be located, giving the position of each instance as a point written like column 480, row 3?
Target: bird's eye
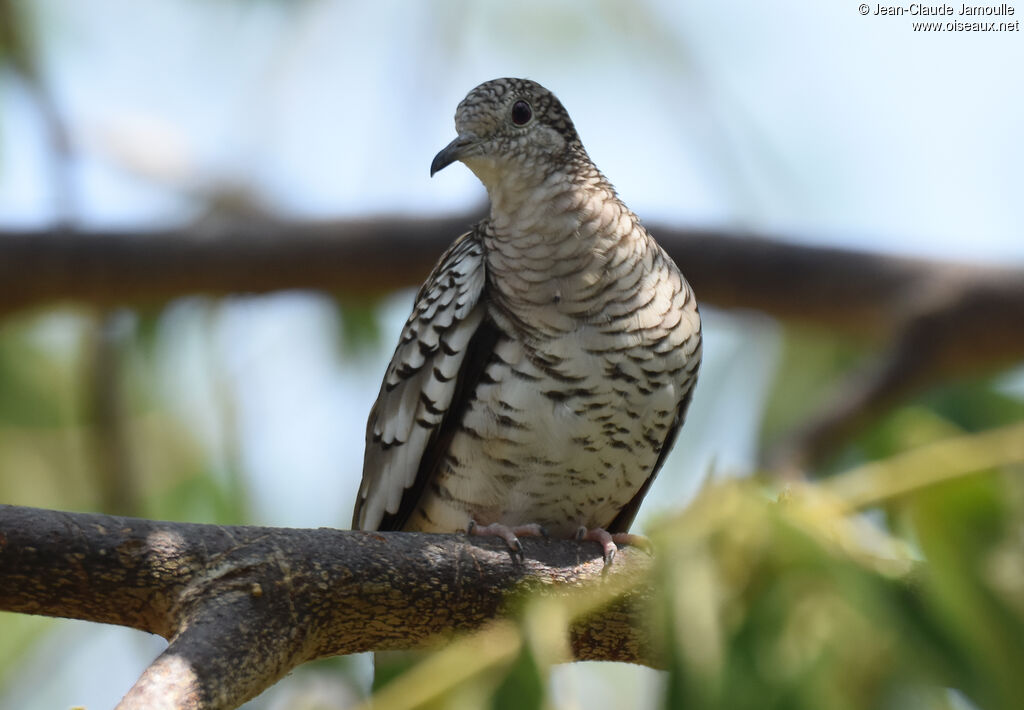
column 521, row 113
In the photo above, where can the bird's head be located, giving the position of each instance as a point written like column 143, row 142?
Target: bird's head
column 511, row 130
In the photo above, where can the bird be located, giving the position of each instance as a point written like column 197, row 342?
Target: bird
column 550, row 357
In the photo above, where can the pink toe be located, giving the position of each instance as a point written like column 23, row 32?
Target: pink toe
column 631, row 540
column 604, row 539
column 495, row 530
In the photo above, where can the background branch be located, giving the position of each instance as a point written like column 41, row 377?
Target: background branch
column 935, row 319
column 856, row 292
column 242, row 606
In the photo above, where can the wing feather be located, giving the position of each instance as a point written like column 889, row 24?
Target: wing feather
column 420, row 385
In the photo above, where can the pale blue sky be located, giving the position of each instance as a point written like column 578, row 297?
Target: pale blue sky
column 796, row 117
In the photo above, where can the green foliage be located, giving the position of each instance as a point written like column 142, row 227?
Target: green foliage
column 946, row 410
column 360, row 325
column 523, row 686
column 970, row 533
column 17, row 36
column 797, row 600
column 50, row 454
column 202, row 497
column 815, row 363
column 39, row 379
column 19, row 634
column 812, row 362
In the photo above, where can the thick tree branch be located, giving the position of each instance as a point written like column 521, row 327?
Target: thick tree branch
column 242, row 606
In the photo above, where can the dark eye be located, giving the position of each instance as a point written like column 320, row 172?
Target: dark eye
column 521, row 113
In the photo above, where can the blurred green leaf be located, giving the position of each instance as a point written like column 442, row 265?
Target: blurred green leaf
column 388, row 665
column 971, row 539
column 810, row 365
column 915, row 470
column 17, row 37
column 463, row 675
column 360, row 325
column 39, row 375
column 974, row 404
column 19, row 633
column 943, row 411
column 523, row 688
column 204, row 497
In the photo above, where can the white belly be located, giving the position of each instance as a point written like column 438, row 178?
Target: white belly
column 563, row 443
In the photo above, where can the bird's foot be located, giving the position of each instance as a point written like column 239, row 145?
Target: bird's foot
column 509, row 535
column 609, row 543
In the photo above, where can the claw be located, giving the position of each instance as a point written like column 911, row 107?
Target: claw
column 603, row 538
column 509, row 535
column 609, row 543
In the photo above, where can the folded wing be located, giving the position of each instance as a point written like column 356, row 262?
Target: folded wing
column 427, row 377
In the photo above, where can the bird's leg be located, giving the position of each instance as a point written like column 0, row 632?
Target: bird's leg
column 609, row 542
column 509, row 535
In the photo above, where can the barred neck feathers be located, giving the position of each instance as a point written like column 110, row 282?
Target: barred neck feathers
column 561, row 246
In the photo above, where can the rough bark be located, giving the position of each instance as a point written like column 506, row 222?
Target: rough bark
column 242, row 606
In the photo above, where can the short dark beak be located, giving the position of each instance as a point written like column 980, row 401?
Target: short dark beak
column 450, row 153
